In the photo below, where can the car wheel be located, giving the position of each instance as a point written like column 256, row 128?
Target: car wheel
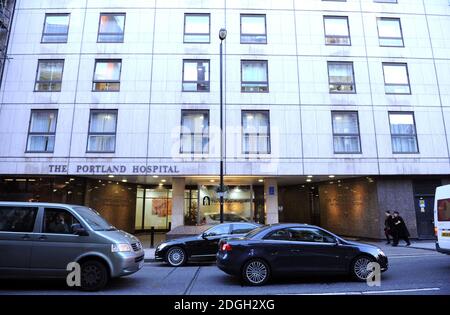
column 176, row 256
column 359, row 270
column 256, row 272
column 94, row 276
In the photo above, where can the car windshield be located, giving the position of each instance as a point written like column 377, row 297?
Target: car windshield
column 93, row 218
column 256, row 231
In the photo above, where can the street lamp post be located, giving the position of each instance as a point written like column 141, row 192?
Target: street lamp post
column 222, row 36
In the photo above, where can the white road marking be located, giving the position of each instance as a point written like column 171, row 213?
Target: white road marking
column 372, row 292
column 413, row 256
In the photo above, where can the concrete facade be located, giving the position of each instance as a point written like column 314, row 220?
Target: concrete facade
column 151, row 99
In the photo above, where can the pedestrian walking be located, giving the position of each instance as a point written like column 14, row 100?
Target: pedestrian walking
column 388, row 226
column 400, row 230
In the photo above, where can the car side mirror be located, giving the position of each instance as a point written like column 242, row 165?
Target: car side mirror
column 337, row 242
column 204, row 235
column 77, row 229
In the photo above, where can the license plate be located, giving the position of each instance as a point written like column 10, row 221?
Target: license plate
column 445, row 234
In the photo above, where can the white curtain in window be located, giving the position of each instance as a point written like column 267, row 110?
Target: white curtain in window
column 336, row 26
column 340, row 72
column 345, row 123
column 256, row 122
column 103, row 122
column 254, row 71
column 389, row 28
column 253, row 24
column 197, row 24
column 395, row 74
column 43, row 122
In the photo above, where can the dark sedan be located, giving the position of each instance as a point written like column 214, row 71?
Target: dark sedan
column 177, row 252
column 295, row 249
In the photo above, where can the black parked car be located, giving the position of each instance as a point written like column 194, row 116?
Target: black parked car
column 200, row 247
column 295, row 249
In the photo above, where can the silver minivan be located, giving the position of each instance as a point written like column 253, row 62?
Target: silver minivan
column 47, row 240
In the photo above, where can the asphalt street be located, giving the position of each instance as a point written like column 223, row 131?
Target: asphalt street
column 412, row 271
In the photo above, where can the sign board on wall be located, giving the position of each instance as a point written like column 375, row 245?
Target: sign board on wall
column 113, row 169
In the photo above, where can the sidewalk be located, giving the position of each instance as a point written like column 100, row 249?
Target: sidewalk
column 416, row 248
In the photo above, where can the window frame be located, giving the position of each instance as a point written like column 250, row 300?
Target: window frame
column 397, row 64
column 341, row 17
column 393, row 38
column 403, row 135
column 46, row 134
column 37, row 81
column 192, row 135
column 196, row 82
column 244, row 134
column 255, row 82
column 99, row 34
column 94, row 82
column 194, row 34
column 248, row 34
column 346, row 134
column 341, row 83
column 53, row 34
column 89, row 134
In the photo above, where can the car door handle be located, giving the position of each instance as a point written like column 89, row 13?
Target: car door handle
column 42, row 238
column 295, row 250
column 26, row 237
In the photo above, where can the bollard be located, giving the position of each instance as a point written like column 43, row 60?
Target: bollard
column 152, row 237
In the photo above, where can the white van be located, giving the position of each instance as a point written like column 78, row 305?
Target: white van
column 442, row 219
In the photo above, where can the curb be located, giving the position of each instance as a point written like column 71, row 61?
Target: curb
column 428, row 249
column 148, row 260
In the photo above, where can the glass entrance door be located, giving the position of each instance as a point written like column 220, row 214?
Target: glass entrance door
column 153, row 209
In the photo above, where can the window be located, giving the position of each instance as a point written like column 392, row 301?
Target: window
column 346, row 137
column 310, row 235
column 49, row 76
column 42, row 131
column 194, row 131
column 396, row 78
column 341, row 77
column 111, row 28
column 385, row 1
column 218, row 230
column 253, row 29
column 254, row 76
column 195, row 75
column 443, row 207
column 17, row 219
column 197, row 28
column 102, row 131
column 56, row 28
column 336, row 30
column 242, row 228
column 58, row 221
column 390, row 32
column 403, row 133
column 107, row 75
column 256, row 132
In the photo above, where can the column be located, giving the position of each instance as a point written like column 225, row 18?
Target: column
column 271, row 199
column 177, row 202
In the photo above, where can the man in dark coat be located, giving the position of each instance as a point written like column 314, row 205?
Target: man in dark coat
column 400, row 230
column 388, row 226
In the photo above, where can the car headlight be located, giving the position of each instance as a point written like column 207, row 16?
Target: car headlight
column 118, row 248
column 161, row 246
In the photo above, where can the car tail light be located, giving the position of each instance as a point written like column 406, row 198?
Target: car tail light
column 226, row 247
column 435, row 231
